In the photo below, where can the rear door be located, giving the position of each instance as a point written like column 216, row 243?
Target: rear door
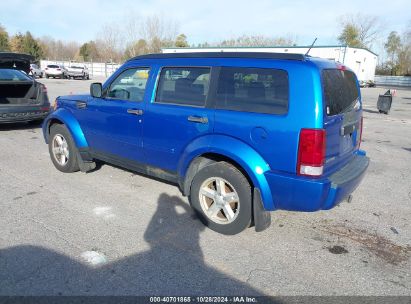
column 177, row 114
column 342, row 116
column 251, row 106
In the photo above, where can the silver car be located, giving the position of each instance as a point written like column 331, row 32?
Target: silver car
column 78, row 71
column 56, row 71
column 35, row 71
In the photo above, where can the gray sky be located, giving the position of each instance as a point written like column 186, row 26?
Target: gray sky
column 201, row 20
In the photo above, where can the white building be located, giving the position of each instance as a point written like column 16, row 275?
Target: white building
column 361, row 61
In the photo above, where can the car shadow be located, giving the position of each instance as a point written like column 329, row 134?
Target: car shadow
column 20, row 126
column 173, row 265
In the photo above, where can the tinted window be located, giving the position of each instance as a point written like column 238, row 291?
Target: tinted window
column 253, row 90
column 129, row 85
column 52, row 66
column 185, row 86
column 12, row 75
column 340, row 90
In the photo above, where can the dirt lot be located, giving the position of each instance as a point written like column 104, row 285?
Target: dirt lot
column 115, row 232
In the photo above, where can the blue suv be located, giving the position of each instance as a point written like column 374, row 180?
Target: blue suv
column 242, row 134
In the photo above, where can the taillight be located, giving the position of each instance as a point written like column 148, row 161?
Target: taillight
column 311, row 152
column 47, row 68
column 58, row 69
column 359, row 136
column 44, row 88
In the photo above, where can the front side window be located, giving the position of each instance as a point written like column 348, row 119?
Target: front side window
column 255, row 90
column 129, row 85
column 183, row 86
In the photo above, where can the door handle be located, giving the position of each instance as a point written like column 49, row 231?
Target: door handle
column 81, row 104
column 135, row 111
column 198, row 119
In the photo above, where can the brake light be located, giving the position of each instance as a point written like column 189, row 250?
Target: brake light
column 311, row 152
column 341, row 67
column 359, row 136
column 47, row 68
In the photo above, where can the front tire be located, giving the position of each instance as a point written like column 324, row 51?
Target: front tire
column 62, row 149
column 221, row 196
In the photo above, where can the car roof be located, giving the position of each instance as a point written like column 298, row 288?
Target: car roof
column 251, row 55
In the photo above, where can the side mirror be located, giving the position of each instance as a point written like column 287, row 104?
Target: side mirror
column 96, row 90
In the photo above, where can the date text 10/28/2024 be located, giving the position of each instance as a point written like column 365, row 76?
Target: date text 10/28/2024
column 208, row 299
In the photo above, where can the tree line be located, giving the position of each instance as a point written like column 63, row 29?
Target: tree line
column 364, row 31
column 116, row 43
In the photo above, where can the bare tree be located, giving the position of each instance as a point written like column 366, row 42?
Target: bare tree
column 257, row 41
column 58, row 49
column 367, row 28
column 109, row 42
column 159, row 32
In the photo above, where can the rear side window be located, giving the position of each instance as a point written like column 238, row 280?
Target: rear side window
column 340, row 90
column 253, row 90
column 183, row 86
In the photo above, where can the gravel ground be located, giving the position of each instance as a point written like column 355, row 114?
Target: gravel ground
column 114, row 232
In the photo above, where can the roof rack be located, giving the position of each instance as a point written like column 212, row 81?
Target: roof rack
column 259, row 55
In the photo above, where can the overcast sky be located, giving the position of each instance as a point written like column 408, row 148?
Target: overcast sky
column 201, row 21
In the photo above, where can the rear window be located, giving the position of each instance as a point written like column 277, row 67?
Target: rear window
column 52, row 66
column 183, row 86
column 340, row 90
column 13, row 75
column 253, row 90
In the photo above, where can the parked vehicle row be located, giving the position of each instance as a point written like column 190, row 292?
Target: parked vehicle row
column 241, row 134
column 73, row 71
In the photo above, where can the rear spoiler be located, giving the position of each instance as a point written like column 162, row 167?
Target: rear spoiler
column 15, row 61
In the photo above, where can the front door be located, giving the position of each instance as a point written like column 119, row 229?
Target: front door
column 113, row 124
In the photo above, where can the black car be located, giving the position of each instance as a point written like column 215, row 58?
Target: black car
column 22, row 98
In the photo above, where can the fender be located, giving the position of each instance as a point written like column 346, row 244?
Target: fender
column 66, row 117
column 238, row 151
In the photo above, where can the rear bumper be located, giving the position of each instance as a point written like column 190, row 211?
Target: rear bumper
column 75, row 74
column 24, row 113
column 291, row 192
column 48, row 73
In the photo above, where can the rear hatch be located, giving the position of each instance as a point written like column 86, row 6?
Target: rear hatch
column 342, row 116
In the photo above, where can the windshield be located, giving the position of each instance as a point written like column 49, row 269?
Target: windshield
column 340, row 90
column 13, row 75
column 76, row 67
column 53, row 66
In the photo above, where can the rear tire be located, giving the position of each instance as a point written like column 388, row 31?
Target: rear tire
column 63, row 151
column 221, row 196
